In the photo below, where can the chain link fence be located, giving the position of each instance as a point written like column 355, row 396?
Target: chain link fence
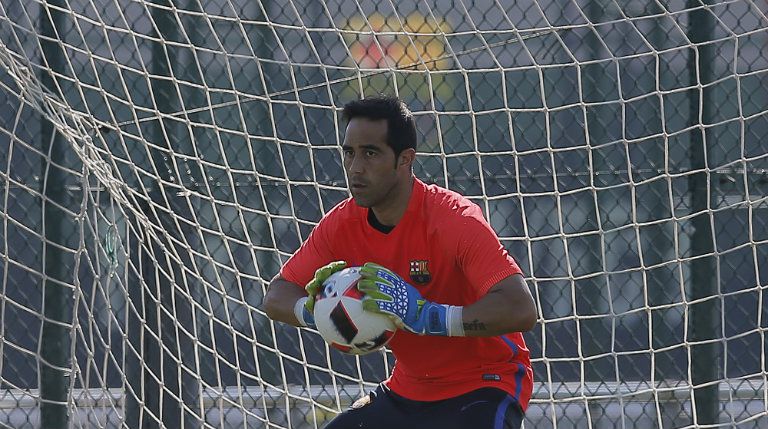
column 597, row 138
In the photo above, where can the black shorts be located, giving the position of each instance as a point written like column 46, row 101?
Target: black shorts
column 486, row 408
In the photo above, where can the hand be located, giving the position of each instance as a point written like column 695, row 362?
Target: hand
column 304, row 310
column 387, row 293
column 315, row 286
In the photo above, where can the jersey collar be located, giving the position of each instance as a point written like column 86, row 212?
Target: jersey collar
column 414, row 204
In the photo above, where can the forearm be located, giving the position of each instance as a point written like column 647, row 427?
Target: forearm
column 280, row 301
column 505, row 308
column 486, row 318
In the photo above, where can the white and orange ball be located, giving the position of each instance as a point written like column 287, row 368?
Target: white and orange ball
column 341, row 320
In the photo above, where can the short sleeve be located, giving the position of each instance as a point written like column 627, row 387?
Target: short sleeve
column 315, row 252
column 481, row 255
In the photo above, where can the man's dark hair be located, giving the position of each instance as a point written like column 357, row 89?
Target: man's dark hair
column 401, row 128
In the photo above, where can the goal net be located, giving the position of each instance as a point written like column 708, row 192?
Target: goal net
column 160, row 159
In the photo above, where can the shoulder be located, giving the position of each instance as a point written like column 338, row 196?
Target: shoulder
column 450, row 218
column 455, row 224
column 446, row 206
column 346, row 207
column 342, row 213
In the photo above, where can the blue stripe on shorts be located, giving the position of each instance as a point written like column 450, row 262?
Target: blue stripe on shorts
column 501, row 412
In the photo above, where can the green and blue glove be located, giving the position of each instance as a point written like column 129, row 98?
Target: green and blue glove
column 305, row 307
column 388, row 294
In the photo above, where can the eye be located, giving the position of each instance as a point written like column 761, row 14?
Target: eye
column 370, row 153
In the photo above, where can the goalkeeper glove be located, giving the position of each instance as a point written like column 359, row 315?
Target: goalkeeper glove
column 387, row 293
column 305, row 307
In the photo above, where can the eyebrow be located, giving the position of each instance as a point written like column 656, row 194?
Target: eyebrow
column 365, row 146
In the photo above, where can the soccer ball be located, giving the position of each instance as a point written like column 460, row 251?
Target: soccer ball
column 341, row 320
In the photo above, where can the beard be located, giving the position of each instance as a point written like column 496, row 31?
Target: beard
column 372, row 196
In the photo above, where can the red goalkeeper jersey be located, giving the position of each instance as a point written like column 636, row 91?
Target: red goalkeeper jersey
column 443, row 247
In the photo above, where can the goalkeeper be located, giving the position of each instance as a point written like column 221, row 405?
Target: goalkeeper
column 431, row 263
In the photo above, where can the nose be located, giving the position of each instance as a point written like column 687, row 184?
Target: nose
column 355, row 165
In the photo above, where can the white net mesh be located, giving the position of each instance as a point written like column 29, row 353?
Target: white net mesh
column 161, row 159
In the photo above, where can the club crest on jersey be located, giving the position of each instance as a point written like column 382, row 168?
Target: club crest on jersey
column 419, row 272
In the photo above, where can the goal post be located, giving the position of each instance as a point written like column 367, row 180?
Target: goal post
column 160, row 160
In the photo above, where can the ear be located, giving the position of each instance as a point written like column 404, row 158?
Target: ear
column 406, row 158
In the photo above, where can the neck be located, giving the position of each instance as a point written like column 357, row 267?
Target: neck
column 390, row 212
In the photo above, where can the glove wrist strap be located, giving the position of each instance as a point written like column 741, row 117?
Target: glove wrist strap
column 301, row 312
column 455, row 323
column 441, row 319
